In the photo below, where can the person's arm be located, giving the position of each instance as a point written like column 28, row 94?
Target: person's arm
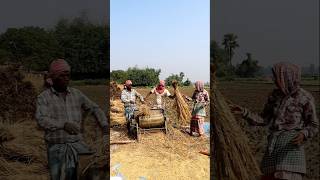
column 187, row 97
column 139, row 95
column 92, row 107
column 43, row 117
column 206, row 98
column 168, row 94
column 311, row 120
column 263, row 118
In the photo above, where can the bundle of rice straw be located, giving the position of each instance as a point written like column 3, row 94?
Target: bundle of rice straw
column 115, row 90
column 233, row 157
column 117, row 113
column 144, row 110
column 5, row 168
column 5, row 134
column 17, row 95
column 181, row 106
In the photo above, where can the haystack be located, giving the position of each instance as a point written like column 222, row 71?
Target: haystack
column 182, row 107
column 115, row 90
column 17, row 96
column 233, row 157
column 117, row 113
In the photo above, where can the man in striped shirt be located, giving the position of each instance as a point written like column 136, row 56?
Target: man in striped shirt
column 59, row 113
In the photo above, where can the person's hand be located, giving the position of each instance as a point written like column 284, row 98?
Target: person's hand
column 298, row 139
column 132, row 102
column 235, row 109
column 71, row 128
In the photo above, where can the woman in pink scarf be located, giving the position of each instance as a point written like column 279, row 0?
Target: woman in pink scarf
column 160, row 91
column 201, row 100
column 291, row 116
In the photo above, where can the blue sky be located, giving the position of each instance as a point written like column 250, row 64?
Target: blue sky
column 171, row 35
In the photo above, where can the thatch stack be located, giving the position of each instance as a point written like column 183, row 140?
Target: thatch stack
column 182, row 107
column 25, row 152
column 117, row 113
column 115, row 90
column 17, row 96
column 233, row 157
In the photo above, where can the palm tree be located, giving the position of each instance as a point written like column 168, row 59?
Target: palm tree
column 230, row 43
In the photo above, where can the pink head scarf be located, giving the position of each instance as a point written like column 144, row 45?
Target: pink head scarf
column 199, row 86
column 287, row 76
column 128, row 82
column 56, row 68
column 161, row 87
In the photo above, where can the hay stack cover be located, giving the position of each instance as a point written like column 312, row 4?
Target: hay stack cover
column 233, row 157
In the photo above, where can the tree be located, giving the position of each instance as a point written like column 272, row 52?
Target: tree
column 32, row 47
column 85, row 45
column 143, row 77
column 248, row 67
column 219, row 58
column 230, row 43
column 175, row 77
column 119, row 76
column 187, row 83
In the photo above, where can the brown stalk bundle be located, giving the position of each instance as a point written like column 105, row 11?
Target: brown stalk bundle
column 117, row 113
column 181, row 106
column 232, row 154
column 5, row 168
column 27, row 147
column 144, row 110
column 5, row 134
column 115, row 90
column 17, row 95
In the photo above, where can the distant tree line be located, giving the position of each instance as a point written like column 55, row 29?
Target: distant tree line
column 222, row 57
column 83, row 44
column 146, row 77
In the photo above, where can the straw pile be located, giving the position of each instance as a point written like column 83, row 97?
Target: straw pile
column 5, row 134
column 115, row 90
column 232, row 154
column 24, row 153
column 182, row 107
column 144, row 110
column 117, row 113
column 17, row 96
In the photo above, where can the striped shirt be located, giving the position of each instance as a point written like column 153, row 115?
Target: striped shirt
column 53, row 111
column 130, row 96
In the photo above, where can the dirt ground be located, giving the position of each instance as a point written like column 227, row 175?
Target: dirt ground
column 160, row 156
column 253, row 96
